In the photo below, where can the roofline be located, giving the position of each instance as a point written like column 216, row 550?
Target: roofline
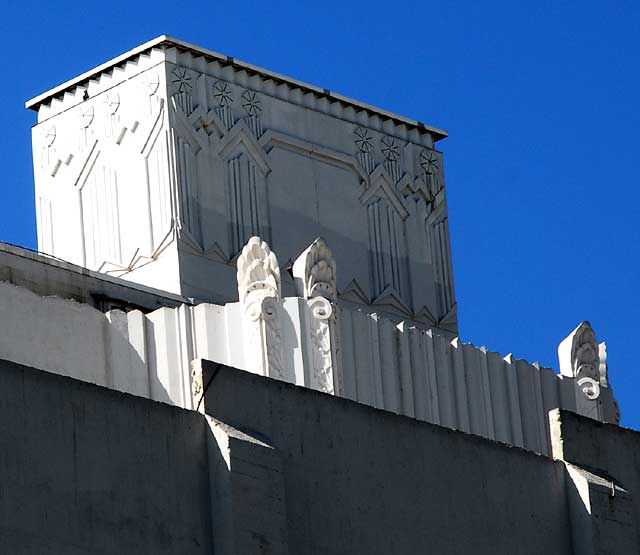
column 35, row 102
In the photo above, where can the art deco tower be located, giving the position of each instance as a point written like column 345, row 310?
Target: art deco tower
column 159, row 165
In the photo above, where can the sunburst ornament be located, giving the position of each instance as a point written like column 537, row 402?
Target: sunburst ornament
column 222, row 93
column 364, row 141
column 430, row 162
column 390, row 149
column 251, row 103
column 181, row 80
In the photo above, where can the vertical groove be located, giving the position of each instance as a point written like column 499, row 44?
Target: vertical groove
column 432, row 376
column 449, row 264
column 462, row 399
column 407, row 384
column 514, row 403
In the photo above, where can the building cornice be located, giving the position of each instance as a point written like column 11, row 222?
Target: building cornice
column 165, row 41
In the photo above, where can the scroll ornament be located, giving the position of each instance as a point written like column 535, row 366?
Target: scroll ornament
column 315, row 275
column 259, row 292
column 315, row 272
column 580, row 358
column 258, row 279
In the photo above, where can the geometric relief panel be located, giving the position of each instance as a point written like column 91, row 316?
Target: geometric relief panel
column 45, row 226
column 100, row 217
column 386, row 245
column 188, row 197
column 441, row 249
column 245, row 200
column 160, row 209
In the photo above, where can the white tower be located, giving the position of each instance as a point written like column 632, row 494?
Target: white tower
column 159, row 165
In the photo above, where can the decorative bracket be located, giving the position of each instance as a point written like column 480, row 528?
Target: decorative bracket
column 259, row 292
column 314, row 273
column 579, row 356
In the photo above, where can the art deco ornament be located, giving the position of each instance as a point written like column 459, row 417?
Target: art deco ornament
column 579, row 356
column 315, row 272
column 258, row 272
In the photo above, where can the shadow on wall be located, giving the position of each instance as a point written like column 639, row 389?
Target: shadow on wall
column 419, row 296
column 89, row 470
column 295, row 457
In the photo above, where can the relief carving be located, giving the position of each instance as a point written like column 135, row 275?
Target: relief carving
column 182, row 86
column 579, row 356
column 391, row 153
column 247, row 167
column 314, row 272
column 223, row 98
column 431, row 164
column 259, row 292
column 364, row 145
column 251, row 104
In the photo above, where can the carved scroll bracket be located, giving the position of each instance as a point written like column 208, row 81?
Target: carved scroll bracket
column 584, row 360
column 315, row 276
column 259, row 292
column 314, row 272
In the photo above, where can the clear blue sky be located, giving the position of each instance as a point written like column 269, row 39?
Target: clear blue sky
column 540, row 100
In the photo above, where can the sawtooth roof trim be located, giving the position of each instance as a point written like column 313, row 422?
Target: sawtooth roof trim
column 165, row 40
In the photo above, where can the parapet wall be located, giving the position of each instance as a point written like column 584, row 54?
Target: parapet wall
column 360, row 356
column 281, row 469
column 86, row 470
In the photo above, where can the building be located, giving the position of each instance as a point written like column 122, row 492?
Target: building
column 171, row 384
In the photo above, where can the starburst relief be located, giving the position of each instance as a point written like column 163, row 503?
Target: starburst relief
column 390, row 149
column 430, row 162
column 222, row 93
column 181, row 80
column 251, row 103
column 364, row 141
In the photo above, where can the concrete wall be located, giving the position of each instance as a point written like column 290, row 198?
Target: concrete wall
column 359, row 480
column 397, row 368
column 278, row 469
column 85, row 471
column 613, row 453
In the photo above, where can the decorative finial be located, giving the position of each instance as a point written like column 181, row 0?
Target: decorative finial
column 315, row 272
column 579, row 358
column 258, row 275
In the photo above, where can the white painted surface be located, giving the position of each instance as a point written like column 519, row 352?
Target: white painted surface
column 160, row 168
column 398, row 368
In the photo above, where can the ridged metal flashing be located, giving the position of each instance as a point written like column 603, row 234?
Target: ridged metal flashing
column 167, row 41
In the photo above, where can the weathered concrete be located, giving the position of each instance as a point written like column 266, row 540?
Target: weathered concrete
column 85, row 471
column 274, row 468
column 359, row 480
column 613, row 453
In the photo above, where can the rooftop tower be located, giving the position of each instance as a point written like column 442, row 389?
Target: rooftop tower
column 159, row 165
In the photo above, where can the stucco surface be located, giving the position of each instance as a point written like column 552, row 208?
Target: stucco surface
column 360, row 480
column 85, row 470
column 612, row 451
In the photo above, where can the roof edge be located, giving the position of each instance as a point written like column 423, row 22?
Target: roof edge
column 34, row 103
